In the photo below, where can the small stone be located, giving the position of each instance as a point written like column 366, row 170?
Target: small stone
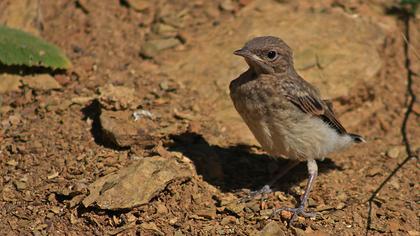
column 53, row 175
column 340, row 206
column 266, row 212
column 20, row 185
column 298, row 232
column 236, row 208
column 164, row 30
column 139, row 5
column 393, row 152
column 81, row 100
column 173, row 221
column 207, row 213
column 272, row 229
column 226, row 199
column 374, row 171
column 342, row 196
column 152, row 47
column 121, row 130
column 228, row 220
column 227, row 5
column 254, row 206
column 394, row 226
column 41, row 82
column 55, row 209
column 151, row 226
column 395, row 184
column 178, row 233
column 117, row 97
column 323, row 207
column 311, row 202
column 286, row 215
column 379, row 227
column 413, row 233
column 161, row 209
column 12, row 162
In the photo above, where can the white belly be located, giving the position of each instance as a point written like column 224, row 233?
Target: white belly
column 308, row 138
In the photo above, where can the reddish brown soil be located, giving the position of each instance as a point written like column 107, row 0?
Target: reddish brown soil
column 50, row 154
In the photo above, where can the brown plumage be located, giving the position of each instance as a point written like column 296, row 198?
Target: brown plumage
column 284, row 112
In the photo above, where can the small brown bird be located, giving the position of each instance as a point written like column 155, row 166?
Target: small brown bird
column 284, row 112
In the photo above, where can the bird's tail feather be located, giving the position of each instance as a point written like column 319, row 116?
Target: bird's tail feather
column 357, row 138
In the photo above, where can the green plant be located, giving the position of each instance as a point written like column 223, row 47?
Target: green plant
column 18, row 48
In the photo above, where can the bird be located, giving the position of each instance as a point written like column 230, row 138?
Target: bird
column 285, row 113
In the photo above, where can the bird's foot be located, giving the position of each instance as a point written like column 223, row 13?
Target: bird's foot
column 298, row 211
column 264, row 190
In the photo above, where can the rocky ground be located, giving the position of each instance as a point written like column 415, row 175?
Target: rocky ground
column 140, row 137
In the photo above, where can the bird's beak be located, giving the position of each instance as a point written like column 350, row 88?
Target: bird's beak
column 243, row 52
column 247, row 54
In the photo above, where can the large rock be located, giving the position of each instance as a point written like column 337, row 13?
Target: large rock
column 136, row 184
column 334, row 51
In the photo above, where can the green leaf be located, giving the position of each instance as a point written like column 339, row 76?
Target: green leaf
column 410, row 1
column 20, row 48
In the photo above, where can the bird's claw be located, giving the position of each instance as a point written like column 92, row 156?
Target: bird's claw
column 298, row 211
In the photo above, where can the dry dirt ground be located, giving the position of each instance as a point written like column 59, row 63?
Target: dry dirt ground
column 58, row 139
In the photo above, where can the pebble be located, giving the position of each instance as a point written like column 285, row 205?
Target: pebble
column 272, row 229
column 340, row 206
column 393, row 152
column 227, row 5
column 151, row 48
column 228, row 220
column 207, row 213
column 236, row 208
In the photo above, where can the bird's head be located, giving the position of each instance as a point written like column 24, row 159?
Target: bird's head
column 267, row 55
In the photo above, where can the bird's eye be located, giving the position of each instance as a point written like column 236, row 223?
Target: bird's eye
column 272, row 55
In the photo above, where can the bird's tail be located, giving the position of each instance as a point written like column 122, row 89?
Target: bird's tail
column 357, row 138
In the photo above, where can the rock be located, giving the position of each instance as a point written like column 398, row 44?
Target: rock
column 20, row 185
column 272, row 229
column 139, row 5
column 298, row 232
column 178, row 233
column 413, row 233
column 228, row 220
column 152, row 47
column 9, row 83
column 235, row 207
column 81, row 100
column 227, row 5
column 135, row 184
column 164, row 30
column 120, row 129
column 393, row 152
column 325, row 54
column 152, row 227
column 340, row 205
column 374, row 171
column 161, row 209
column 209, row 213
column 117, row 97
column 42, row 82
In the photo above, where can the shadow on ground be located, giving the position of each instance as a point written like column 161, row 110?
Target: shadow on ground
column 238, row 167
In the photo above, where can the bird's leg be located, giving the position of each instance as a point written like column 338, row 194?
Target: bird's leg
column 300, row 210
column 267, row 188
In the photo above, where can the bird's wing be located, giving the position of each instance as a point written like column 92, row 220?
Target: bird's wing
column 306, row 99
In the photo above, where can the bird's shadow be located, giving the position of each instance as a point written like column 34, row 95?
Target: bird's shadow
column 238, row 167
